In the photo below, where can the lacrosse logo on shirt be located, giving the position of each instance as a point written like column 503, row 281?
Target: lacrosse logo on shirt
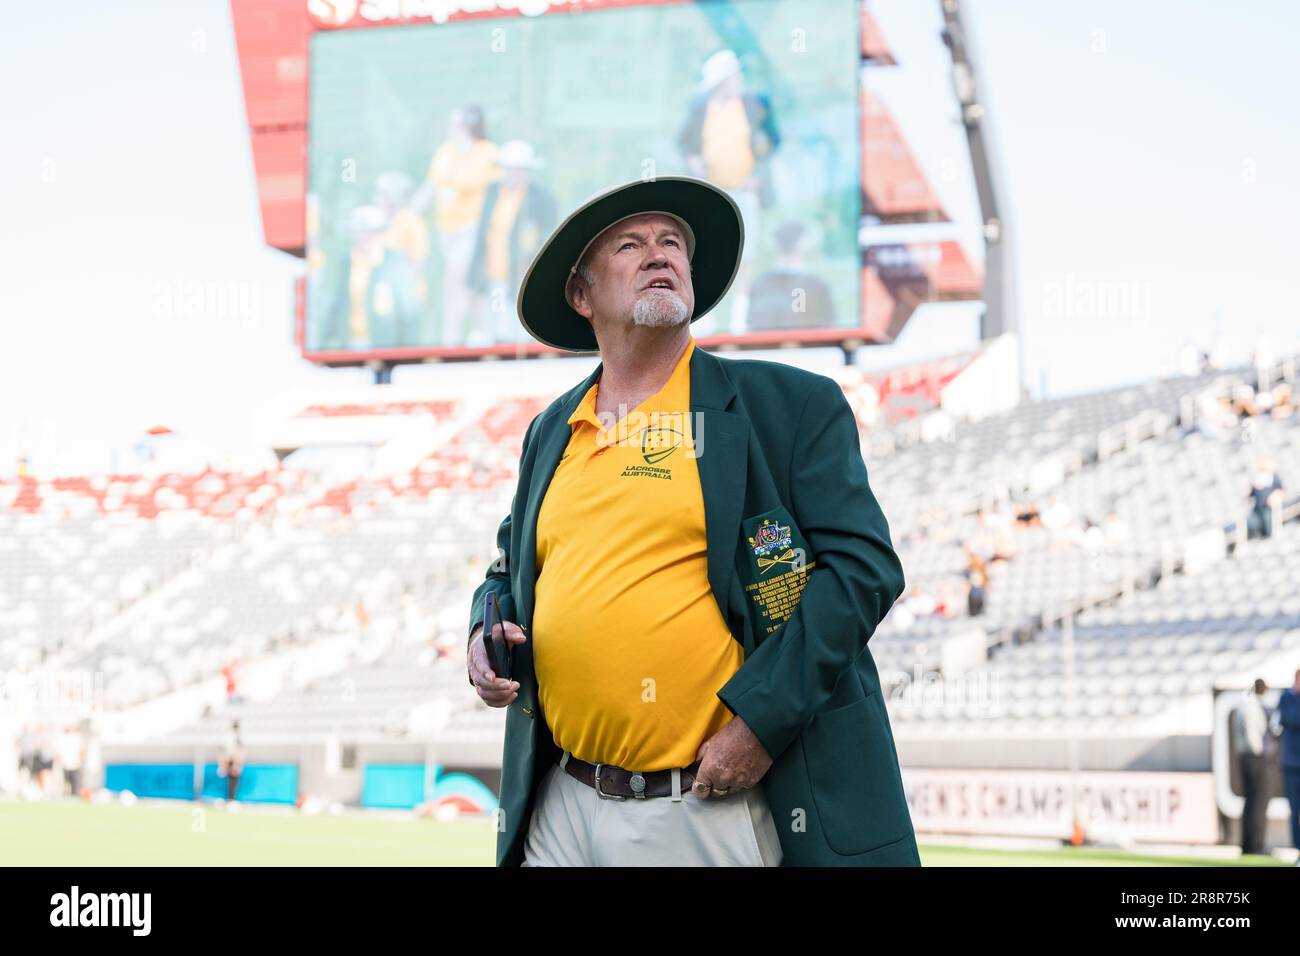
column 658, row 443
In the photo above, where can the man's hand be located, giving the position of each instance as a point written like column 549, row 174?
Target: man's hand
column 494, row 691
column 730, row 760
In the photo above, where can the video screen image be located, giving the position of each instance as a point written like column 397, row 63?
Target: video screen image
column 442, row 156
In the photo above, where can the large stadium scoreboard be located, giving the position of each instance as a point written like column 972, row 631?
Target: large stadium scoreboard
column 418, row 154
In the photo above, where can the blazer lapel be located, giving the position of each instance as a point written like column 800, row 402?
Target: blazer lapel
column 552, row 443
column 721, row 448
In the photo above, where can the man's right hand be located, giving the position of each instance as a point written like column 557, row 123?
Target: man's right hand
column 494, row 691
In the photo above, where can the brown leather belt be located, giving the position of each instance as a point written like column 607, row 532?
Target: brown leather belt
column 615, row 783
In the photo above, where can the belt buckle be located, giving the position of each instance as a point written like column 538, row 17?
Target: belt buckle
column 601, row 793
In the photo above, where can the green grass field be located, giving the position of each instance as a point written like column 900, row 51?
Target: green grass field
column 161, row 834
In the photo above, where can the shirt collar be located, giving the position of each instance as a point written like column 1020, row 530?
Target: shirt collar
column 674, row 396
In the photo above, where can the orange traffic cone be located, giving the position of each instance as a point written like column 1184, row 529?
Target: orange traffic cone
column 1077, row 837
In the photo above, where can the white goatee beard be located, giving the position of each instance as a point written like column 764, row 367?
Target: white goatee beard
column 659, row 309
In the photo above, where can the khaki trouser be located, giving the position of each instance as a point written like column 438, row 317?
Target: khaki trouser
column 572, row 825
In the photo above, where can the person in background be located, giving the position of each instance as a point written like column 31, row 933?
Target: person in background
column 1243, row 402
column 71, row 756
column 459, row 174
column 230, row 671
column 977, row 578
column 1251, row 727
column 355, row 299
column 518, row 213
column 1287, row 724
column 44, row 760
column 26, row 744
column 406, row 252
column 231, row 764
column 1028, row 515
column 1282, row 405
column 728, row 138
column 995, row 539
column 1265, row 495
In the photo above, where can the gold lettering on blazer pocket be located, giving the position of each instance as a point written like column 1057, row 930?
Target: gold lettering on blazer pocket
column 778, row 564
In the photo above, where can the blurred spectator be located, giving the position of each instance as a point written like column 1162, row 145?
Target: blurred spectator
column 44, row 762
column 975, row 597
column 1251, row 727
column 952, row 593
column 1287, row 720
column 1213, row 415
column 518, row 214
column 1281, row 405
column 231, row 764
column 728, row 138
column 1265, row 495
column 230, row 671
column 993, row 541
column 1027, row 515
column 402, row 292
column 462, row 168
column 1264, row 401
column 977, row 579
column 27, row 757
column 71, row 755
column 1243, row 401
column 1004, row 540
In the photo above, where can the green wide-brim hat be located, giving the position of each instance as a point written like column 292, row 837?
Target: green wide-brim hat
column 715, row 237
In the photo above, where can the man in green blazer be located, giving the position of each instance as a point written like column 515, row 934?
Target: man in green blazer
column 799, row 558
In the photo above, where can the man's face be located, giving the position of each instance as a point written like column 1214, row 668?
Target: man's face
column 641, row 275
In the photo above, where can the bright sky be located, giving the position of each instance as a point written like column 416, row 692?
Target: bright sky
column 1149, row 154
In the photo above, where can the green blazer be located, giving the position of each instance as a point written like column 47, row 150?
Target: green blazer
column 774, row 444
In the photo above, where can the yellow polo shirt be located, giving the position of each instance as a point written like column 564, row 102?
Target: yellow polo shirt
column 629, row 645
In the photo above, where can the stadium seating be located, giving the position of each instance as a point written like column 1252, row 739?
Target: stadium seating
column 131, row 576
column 1143, row 655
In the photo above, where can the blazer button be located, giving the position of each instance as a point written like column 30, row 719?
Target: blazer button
column 527, row 712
